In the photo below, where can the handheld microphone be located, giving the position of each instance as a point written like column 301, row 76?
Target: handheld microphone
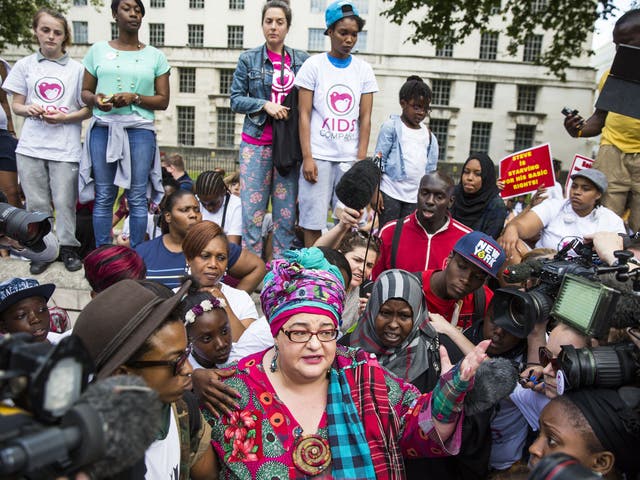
column 495, row 379
column 358, row 184
column 105, row 432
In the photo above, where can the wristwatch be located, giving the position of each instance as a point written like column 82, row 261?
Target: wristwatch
column 137, row 100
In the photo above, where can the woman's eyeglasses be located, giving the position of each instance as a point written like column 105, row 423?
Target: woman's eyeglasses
column 303, row 336
column 546, row 358
column 176, row 365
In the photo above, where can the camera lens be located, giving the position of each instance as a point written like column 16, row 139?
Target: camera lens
column 602, row 367
column 28, row 228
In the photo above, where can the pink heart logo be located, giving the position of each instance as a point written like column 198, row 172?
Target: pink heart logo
column 341, row 102
column 49, row 91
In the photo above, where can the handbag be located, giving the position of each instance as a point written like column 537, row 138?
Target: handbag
column 286, row 151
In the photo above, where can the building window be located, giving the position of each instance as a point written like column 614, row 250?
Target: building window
column 527, row 96
column 361, row 44
column 196, row 3
column 187, row 79
column 186, row 125
column 525, row 135
column 236, row 4
column 488, row 45
column 156, row 34
column 114, row 30
column 79, row 3
column 480, row 137
column 445, row 51
column 440, row 128
column 156, row 3
column 532, row 48
column 316, row 39
column 318, row 6
column 235, row 36
column 538, row 6
column 196, row 35
column 226, row 127
column 441, row 92
column 484, row 94
column 80, row 32
column 226, row 77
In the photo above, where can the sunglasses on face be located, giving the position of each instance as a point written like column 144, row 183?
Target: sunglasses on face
column 176, row 365
column 546, row 358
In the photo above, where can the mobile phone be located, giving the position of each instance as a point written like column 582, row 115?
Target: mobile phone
column 366, row 287
column 566, row 111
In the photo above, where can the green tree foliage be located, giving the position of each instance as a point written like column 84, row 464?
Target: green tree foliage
column 443, row 22
column 16, row 17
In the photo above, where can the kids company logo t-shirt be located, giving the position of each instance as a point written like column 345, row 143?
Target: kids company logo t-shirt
column 56, row 87
column 335, row 116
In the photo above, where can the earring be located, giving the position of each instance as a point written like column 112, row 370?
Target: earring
column 274, row 362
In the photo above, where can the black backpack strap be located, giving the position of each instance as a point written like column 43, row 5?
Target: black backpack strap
column 396, row 240
column 227, row 196
column 479, row 305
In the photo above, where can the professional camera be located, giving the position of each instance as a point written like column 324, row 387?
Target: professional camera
column 28, row 228
column 568, row 290
column 603, row 367
column 50, row 428
column 560, row 466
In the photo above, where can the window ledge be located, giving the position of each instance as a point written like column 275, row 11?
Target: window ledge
column 522, row 113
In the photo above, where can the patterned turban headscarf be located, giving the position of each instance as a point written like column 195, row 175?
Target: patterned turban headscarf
column 302, row 282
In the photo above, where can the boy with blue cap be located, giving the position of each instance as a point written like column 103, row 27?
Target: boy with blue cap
column 335, row 101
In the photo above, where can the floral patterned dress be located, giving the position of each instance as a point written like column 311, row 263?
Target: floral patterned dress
column 257, row 440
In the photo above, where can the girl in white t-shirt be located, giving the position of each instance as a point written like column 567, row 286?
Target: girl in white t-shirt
column 335, row 101
column 46, row 89
column 408, row 149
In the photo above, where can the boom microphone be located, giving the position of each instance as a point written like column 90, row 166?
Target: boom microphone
column 358, row 184
column 521, row 272
column 107, row 431
column 495, row 379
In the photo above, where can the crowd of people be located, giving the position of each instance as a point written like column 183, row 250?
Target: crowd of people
column 382, row 349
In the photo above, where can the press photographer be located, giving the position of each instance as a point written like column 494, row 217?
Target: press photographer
column 49, row 427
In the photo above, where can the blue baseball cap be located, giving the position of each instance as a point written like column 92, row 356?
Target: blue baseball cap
column 481, row 250
column 16, row 289
column 337, row 11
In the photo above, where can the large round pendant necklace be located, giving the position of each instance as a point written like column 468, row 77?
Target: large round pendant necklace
column 311, row 453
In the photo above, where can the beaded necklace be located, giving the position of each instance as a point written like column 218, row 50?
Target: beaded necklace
column 132, row 84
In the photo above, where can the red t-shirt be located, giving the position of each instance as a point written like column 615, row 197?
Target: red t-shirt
column 417, row 249
column 445, row 308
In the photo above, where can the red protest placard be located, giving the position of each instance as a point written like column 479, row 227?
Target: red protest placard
column 580, row 162
column 525, row 171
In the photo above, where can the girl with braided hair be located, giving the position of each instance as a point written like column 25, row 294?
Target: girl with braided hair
column 218, row 205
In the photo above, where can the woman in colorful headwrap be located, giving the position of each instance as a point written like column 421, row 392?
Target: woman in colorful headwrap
column 596, row 426
column 309, row 408
column 477, row 199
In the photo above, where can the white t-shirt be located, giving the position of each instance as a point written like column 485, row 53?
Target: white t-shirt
column 336, row 105
column 240, row 302
column 560, row 221
column 233, row 220
column 153, row 230
column 555, row 192
column 54, row 87
column 162, row 458
column 414, row 145
column 3, row 114
column 530, row 404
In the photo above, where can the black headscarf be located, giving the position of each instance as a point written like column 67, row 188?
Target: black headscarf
column 614, row 424
column 468, row 208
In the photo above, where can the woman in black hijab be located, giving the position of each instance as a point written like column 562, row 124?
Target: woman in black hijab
column 477, row 202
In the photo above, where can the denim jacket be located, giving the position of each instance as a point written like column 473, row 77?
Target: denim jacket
column 251, row 86
column 389, row 145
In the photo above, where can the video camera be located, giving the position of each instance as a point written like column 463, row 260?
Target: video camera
column 568, row 290
column 50, row 428
column 560, row 466
column 28, row 228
